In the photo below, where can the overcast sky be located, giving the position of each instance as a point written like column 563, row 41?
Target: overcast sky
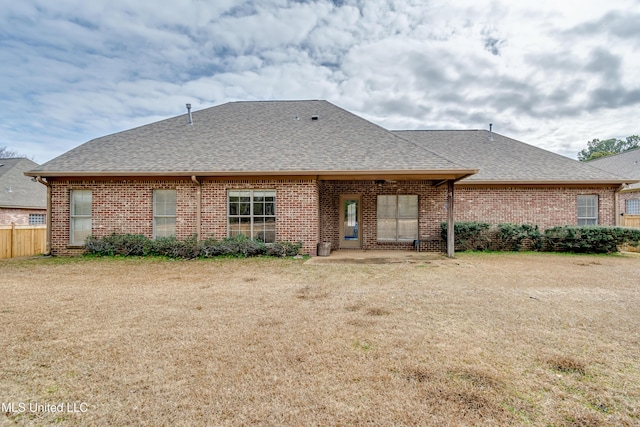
column 552, row 73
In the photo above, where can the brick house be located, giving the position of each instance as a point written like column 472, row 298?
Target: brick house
column 310, row 171
column 22, row 200
column 625, row 164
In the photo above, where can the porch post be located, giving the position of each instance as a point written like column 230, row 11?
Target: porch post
column 450, row 222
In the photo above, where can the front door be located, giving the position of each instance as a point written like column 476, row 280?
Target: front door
column 350, row 220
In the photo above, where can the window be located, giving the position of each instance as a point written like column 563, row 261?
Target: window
column 252, row 213
column 80, row 226
column 633, row 207
column 164, row 213
column 37, row 219
column 397, row 218
column 587, row 210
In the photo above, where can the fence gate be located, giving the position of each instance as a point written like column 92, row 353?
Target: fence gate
column 22, row 240
column 630, row 221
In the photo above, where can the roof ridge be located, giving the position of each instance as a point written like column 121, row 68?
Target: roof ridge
column 423, row 148
column 397, row 136
column 439, row 130
column 270, row 100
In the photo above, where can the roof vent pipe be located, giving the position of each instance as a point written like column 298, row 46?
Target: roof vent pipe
column 189, row 111
column 490, row 131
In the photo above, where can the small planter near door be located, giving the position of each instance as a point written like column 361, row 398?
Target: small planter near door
column 324, row 249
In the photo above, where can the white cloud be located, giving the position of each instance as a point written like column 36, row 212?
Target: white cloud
column 555, row 74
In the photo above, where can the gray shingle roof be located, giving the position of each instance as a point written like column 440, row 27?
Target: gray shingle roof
column 282, row 137
column 626, row 164
column 263, row 136
column 18, row 190
column 504, row 159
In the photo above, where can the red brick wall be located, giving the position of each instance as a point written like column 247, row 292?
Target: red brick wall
column 296, row 209
column 18, row 216
column 543, row 206
column 126, row 206
column 308, row 211
column 432, row 203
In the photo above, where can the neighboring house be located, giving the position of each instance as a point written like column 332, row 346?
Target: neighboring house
column 22, row 200
column 624, row 164
column 312, row 172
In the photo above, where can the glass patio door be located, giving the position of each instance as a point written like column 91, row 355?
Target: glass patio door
column 350, row 221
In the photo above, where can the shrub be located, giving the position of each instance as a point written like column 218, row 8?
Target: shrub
column 136, row 244
column 512, row 237
column 284, row 249
column 629, row 236
column 173, row 248
column 117, row 244
column 210, row 248
column 588, row 239
column 241, row 246
column 468, row 235
column 96, row 246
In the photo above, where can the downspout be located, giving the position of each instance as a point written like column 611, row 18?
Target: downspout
column 616, row 201
column 49, row 222
column 199, row 206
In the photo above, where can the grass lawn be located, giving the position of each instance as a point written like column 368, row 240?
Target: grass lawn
column 484, row 339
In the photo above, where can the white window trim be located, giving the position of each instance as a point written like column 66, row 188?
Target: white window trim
column 587, row 218
column 73, row 216
column 397, row 218
column 156, row 215
column 251, row 215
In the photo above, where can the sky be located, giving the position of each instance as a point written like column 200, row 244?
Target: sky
column 554, row 74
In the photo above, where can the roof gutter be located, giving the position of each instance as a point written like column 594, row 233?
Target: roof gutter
column 369, row 173
column 21, row 207
column 445, row 181
column 627, row 188
column 550, row 182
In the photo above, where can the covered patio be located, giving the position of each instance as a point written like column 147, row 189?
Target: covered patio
column 358, row 256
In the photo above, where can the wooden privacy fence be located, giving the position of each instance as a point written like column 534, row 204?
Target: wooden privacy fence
column 631, row 221
column 22, row 240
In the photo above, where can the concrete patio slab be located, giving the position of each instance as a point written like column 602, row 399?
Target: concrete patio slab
column 376, row 257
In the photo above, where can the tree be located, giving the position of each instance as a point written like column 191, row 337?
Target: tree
column 7, row 153
column 596, row 148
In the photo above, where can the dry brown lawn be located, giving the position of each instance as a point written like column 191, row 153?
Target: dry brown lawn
column 485, row 339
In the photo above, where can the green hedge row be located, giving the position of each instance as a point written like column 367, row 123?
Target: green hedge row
column 139, row 245
column 513, row 237
column 589, row 239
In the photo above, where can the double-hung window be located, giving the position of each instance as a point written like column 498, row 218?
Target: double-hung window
column 164, row 213
column 252, row 213
column 80, row 215
column 587, row 210
column 397, row 218
column 633, row 207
